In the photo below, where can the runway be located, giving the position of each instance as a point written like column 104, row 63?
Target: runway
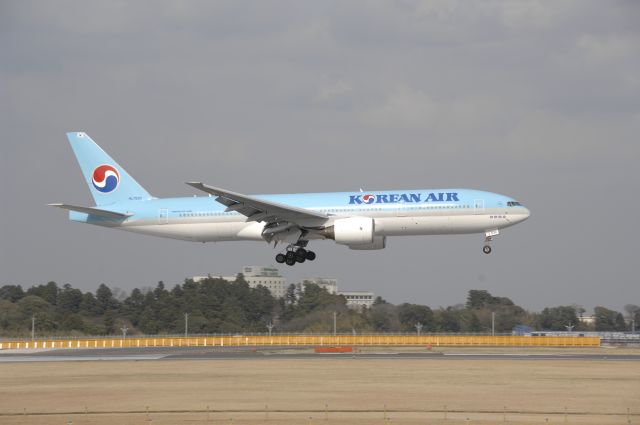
column 267, row 353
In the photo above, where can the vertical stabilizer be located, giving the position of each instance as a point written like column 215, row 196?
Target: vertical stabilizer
column 107, row 180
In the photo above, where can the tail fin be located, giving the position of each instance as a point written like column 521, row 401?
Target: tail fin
column 108, row 181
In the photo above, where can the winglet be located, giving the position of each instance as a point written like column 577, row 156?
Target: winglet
column 197, row 185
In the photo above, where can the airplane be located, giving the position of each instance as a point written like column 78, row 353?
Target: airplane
column 360, row 220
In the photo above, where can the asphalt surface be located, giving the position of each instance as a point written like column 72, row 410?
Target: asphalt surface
column 256, row 353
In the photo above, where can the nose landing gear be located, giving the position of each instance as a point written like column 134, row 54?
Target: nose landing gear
column 488, row 237
column 295, row 254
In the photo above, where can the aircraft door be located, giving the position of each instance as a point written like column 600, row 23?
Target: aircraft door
column 478, row 206
column 163, row 216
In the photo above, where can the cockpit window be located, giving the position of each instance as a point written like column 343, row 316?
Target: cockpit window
column 514, row 204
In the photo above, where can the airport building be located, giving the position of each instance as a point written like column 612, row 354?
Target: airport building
column 587, row 320
column 331, row 285
column 359, row 299
column 268, row 277
column 355, row 299
column 271, row 278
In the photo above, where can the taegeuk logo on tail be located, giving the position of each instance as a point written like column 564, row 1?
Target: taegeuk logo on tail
column 105, row 178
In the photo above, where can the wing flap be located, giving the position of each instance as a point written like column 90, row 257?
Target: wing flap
column 93, row 211
column 224, row 201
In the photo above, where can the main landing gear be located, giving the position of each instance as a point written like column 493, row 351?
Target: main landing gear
column 488, row 237
column 295, row 254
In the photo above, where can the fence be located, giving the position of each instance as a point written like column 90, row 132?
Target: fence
column 307, row 340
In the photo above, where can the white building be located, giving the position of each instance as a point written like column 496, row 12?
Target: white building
column 331, row 285
column 269, row 277
column 359, row 299
column 588, row 320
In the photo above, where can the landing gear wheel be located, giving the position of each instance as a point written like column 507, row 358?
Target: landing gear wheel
column 486, row 249
column 301, row 255
column 296, row 253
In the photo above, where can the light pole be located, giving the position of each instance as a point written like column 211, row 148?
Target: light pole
column 186, row 324
column 335, row 314
column 33, row 326
column 493, row 323
column 270, row 327
column 419, row 327
column 569, row 327
column 124, row 330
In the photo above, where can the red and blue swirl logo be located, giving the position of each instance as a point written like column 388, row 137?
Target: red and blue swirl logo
column 105, row 178
column 368, row 199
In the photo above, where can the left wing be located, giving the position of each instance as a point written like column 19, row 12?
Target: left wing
column 258, row 209
column 93, row 211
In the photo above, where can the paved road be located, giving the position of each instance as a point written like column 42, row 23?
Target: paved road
column 200, row 353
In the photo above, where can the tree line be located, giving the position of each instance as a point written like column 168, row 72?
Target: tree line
column 215, row 305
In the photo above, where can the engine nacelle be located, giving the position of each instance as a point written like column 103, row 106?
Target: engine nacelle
column 354, row 230
column 379, row 242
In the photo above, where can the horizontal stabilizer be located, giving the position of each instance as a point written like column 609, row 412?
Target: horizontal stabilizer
column 93, row 211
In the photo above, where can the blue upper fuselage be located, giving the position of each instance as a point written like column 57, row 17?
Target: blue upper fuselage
column 321, row 202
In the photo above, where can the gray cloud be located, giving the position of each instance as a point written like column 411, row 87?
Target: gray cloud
column 536, row 100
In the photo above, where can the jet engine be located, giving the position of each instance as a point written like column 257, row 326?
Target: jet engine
column 354, row 231
column 379, row 242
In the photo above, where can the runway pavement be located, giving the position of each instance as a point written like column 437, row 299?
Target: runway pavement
column 258, row 353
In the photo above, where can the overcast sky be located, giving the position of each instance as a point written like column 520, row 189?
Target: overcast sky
column 536, row 100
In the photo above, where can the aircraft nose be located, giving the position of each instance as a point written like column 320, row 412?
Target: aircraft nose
column 525, row 213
